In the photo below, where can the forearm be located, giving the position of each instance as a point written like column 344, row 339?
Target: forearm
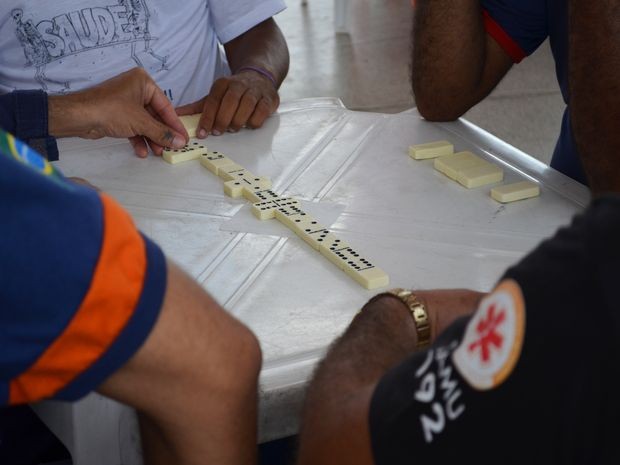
column 380, row 337
column 594, row 75
column 262, row 46
column 68, row 115
column 335, row 424
column 335, row 408
column 194, row 381
column 455, row 63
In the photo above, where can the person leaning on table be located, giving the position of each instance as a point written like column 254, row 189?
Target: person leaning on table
column 88, row 303
column 525, row 374
column 463, row 48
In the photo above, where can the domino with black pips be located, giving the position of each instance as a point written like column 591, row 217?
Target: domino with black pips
column 246, row 185
column 213, row 161
column 330, row 247
column 303, row 225
column 253, row 185
column 266, row 210
column 321, row 237
column 232, row 171
column 191, row 151
column 288, row 214
column 361, row 269
column 268, row 204
column 262, row 196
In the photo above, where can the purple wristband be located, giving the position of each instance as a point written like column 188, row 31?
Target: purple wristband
column 258, row 70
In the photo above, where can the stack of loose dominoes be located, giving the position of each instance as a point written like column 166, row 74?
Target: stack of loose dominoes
column 471, row 171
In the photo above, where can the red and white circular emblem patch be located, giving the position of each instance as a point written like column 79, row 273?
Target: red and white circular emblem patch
column 493, row 339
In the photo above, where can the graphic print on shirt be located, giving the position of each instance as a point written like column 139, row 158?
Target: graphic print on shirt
column 493, row 339
column 84, row 30
column 439, row 390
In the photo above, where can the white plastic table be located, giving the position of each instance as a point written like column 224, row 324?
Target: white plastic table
column 425, row 230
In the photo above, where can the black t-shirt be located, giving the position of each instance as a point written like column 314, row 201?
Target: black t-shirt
column 531, row 377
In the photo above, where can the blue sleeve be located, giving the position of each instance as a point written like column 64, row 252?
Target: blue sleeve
column 81, row 287
column 24, row 114
column 518, row 26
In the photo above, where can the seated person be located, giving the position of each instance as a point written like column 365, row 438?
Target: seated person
column 89, row 303
column 223, row 58
column 525, row 378
column 462, row 50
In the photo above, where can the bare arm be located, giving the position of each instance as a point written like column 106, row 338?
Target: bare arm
column 594, row 76
column 263, row 46
column 455, row 63
column 194, row 382
column 335, row 419
column 247, row 98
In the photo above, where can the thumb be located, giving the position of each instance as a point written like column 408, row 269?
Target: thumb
column 159, row 133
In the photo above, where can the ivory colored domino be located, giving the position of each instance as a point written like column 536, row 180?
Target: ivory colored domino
column 515, row 191
column 191, row 123
column 237, row 187
column 191, row 151
column 370, row 278
column 480, row 175
column 287, row 215
column 332, row 250
column 233, row 171
column 255, row 184
column 262, row 196
column 450, row 165
column 267, row 204
column 317, row 238
column 267, row 210
column 431, row 150
column 213, row 161
column 360, row 269
column 302, row 225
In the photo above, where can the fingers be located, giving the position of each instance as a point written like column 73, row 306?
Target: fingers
column 164, row 111
column 139, row 146
column 263, row 110
column 211, row 109
column 244, row 111
column 234, row 102
column 239, row 106
column 155, row 148
column 158, row 132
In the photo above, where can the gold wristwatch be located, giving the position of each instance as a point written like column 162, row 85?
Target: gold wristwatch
column 419, row 313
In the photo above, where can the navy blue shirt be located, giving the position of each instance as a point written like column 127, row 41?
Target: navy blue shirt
column 520, row 27
column 24, row 114
column 529, row 378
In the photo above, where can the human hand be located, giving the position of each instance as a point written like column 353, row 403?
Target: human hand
column 244, row 99
column 128, row 105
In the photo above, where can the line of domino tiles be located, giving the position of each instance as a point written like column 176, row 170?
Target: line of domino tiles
column 472, row 171
column 267, row 204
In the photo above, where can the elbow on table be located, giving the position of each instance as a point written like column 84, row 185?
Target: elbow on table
column 436, row 110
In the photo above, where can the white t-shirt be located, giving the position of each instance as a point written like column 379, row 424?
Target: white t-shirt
column 67, row 45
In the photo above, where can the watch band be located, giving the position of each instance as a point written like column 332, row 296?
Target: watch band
column 419, row 314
